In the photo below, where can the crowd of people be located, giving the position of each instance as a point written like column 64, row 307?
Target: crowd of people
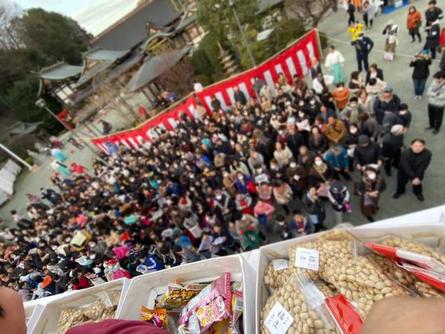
column 226, row 181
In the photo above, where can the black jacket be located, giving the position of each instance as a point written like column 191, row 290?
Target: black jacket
column 240, row 97
column 363, row 46
column 367, row 155
column 381, row 106
column 433, row 15
column 404, row 120
column 294, row 142
column 421, row 68
column 379, row 75
column 391, row 145
column 433, row 37
column 414, row 165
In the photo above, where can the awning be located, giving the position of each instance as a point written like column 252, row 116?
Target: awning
column 154, row 67
column 23, row 128
column 60, row 71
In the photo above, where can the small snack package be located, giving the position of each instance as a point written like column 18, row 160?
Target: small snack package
column 177, row 295
column 211, row 305
column 157, row 316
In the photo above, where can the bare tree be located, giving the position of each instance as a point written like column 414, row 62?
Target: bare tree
column 310, row 12
column 109, row 94
column 9, row 12
column 179, row 78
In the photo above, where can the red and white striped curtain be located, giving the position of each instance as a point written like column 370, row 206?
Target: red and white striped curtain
column 294, row 60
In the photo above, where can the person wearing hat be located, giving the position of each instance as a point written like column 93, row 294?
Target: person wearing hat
column 414, row 162
column 436, row 102
column 390, row 33
column 388, row 102
column 367, row 153
column 369, row 190
column 363, row 46
column 392, row 145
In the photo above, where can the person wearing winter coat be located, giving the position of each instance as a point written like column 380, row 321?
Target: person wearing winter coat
column 421, row 72
column 315, row 208
column 297, row 178
column 436, row 102
column 337, row 158
column 335, row 130
column 363, row 46
column 340, row 198
column 392, row 145
column 367, row 153
column 369, row 190
column 432, row 38
column 283, row 194
column 317, row 141
column 350, row 143
column 390, row 33
column 368, row 126
column 414, row 162
column 404, row 117
column 368, row 11
column 387, row 102
column 413, row 23
column 282, row 155
column 433, row 13
column 239, row 96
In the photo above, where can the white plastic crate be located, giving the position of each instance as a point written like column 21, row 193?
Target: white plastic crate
column 144, row 289
column 430, row 234
column 49, row 317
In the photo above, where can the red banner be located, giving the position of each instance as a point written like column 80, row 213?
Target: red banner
column 294, row 60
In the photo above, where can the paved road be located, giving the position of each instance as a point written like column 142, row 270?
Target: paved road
column 397, row 74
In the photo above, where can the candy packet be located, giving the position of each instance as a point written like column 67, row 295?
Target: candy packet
column 177, row 295
column 157, row 316
column 211, row 305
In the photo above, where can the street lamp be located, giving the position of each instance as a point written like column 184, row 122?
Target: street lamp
column 243, row 35
column 40, row 103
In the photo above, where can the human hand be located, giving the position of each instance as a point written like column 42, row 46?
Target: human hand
column 416, row 181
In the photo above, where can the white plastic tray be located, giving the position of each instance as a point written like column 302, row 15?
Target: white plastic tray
column 144, row 289
column 425, row 233
column 49, row 317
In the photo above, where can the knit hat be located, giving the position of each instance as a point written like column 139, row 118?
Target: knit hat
column 397, row 130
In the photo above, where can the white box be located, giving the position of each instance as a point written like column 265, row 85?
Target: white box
column 49, row 317
column 144, row 289
column 429, row 234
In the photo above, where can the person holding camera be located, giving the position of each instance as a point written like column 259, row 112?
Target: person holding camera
column 421, row 72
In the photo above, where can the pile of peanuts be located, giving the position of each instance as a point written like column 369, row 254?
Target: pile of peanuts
column 97, row 311
column 305, row 320
column 273, row 278
column 363, row 279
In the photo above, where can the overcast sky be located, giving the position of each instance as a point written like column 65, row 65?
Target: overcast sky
column 92, row 15
column 67, row 7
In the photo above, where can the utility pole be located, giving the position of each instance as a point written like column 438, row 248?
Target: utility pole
column 15, row 156
column 243, row 35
